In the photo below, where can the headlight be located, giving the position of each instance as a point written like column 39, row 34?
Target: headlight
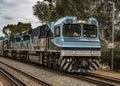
column 94, row 60
column 68, row 60
column 82, row 21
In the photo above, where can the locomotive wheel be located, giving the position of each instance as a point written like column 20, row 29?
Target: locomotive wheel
column 5, row 53
column 24, row 56
column 56, row 65
column 49, row 62
column 14, row 54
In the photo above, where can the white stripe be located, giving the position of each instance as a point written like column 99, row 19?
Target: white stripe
column 94, row 65
column 70, row 68
column 62, row 62
column 66, row 65
column 91, row 68
column 89, row 71
column 97, row 62
column 79, row 70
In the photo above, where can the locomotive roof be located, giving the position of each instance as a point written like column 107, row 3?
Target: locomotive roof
column 63, row 19
column 35, row 31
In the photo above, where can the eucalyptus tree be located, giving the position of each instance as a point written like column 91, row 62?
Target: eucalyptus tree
column 51, row 10
column 13, row 29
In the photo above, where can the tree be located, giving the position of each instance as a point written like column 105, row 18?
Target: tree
column 1, row 37
column 12, row 29
column 44, row 11
column 100, row 9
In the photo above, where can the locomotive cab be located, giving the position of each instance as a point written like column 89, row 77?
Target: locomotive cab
column 78, row 44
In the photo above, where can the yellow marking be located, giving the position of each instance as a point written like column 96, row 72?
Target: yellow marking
column 1, row 84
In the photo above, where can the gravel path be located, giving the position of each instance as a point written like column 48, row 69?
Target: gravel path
column 47, row 76
column 4, row 81
column 20, row 77
column 106, row 73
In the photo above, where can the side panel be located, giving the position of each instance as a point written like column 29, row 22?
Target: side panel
column 80, row 53
column 52, row 46
column 42, row 44
column 34, row 58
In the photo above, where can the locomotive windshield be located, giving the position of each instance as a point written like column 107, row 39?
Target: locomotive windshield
column 89, row 31
column 71, row 30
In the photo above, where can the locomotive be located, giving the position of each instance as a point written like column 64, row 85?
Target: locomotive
column 68, row 44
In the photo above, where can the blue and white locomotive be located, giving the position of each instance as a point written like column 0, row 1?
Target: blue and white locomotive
column 69, row 44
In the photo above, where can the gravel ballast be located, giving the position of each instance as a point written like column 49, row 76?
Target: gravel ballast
column 47, row 76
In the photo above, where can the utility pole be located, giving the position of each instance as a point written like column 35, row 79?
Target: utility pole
column 113, row 20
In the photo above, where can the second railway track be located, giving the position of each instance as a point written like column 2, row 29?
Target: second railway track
column 97, row 80
column 38, row 81
column 13, row 80
column 106, row 78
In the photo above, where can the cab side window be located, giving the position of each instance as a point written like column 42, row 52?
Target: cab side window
column 57, row 31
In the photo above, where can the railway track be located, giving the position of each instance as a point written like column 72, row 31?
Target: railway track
column 92, row 78
column 12, row 79
column 102, row 81
column 42, row 83
column 89, row 77
column 106, row 78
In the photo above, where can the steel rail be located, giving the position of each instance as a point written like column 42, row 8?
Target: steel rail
column 43, row 83
column 107, row 78
column 93, row 80
column 11, row 78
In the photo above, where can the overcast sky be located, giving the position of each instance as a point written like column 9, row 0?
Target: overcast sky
column 13, row 11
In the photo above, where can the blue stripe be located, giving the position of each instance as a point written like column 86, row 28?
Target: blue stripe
column 76, row 48
column 80, row 40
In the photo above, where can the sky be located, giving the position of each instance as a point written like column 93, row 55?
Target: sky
column 14, row 11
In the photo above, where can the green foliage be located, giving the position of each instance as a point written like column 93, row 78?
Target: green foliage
column 106, row 57
column 75, row 8
column 16, row 28
column 50, row 10
column 1, row 37
column 44, row 11
column 117, row 35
